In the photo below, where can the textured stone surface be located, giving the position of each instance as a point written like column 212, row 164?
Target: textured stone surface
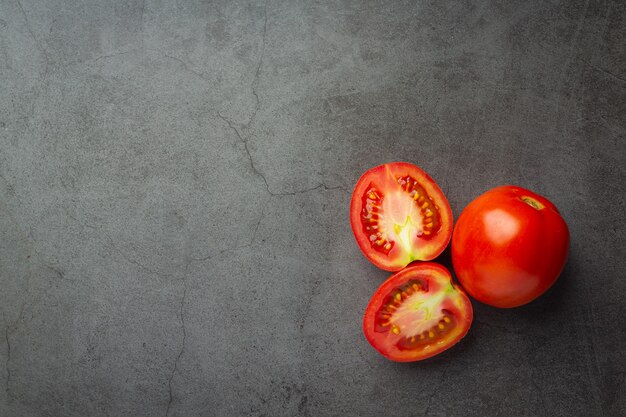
column 174, row 188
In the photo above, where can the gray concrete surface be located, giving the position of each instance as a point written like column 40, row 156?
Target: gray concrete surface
column 175, row 180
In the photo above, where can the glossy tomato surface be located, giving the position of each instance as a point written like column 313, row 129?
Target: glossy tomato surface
column 509, row 246
column 417, row 313
column 399, row 214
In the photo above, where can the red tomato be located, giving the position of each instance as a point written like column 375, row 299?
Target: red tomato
column 509, row 246
column 417, row 313
column 398, row 214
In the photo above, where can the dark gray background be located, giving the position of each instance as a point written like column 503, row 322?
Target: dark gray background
column 174, row 191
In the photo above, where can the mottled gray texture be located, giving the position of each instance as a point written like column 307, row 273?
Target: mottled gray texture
column 174, row 191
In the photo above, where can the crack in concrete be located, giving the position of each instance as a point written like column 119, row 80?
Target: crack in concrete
column 9, row 187
column 182, row 348
column 54, row 269
column 183, row 63
column 609, row 127
column 132, row 261
column 256, row 228
column 255, row 80
column 94, row 60
column 570, row 55
column 232, row 126
column 236, row 248
column 243, row 140
column 233, row 249
column 45, row 56
column 6, row 365
column 8, row 329
column 43, row 51
column 254, row 85
column 592, row 357
column 257, row 105
column 32, row 34
column 59, row 273
column 182, row 303
column 100, row 229
column 502, row 329
column 538, row 392
column 605, row 71
column 321, row 185
column 143, row 9
column 180, row 61
column 436, row 390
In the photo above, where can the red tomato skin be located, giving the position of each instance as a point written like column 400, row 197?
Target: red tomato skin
column 505, row 252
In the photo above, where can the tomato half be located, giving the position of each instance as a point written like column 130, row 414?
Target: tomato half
column 417, row 313
column 509, row 246
column 399, row 214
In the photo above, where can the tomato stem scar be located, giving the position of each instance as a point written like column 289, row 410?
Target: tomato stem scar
column 532, row 202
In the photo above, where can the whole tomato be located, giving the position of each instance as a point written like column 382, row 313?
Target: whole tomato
column 509, row 246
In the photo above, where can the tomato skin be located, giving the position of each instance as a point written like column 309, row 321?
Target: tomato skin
column 422, row 247
column 439, row 286
column 509, row 246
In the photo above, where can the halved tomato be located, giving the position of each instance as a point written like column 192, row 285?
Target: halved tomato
column 417, row 313
column 399, row 214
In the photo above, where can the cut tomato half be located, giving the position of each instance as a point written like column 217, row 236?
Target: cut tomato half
column 399, row 214
column 417, row 313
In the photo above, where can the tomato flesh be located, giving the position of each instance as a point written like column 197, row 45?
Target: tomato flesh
column 417, row 313
column 509, row 246
column 399, row 214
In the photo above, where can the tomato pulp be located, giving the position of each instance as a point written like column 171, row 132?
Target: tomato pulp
column 417, row 313
column 509, row 246
column 399, row 214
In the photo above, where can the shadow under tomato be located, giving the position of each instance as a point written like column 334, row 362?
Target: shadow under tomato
column 554, row 301
column 445, row 259
column 524, row 320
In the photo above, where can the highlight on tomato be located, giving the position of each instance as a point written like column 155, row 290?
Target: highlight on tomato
column 399, row 214
column 417, row 313
column 509, row 246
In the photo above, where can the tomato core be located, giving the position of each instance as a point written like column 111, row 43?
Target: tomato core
column 410, row 307
column 409, row 211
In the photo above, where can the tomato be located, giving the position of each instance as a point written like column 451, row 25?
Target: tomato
column 399, row 214
column 417, row 313
column 509, row 246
